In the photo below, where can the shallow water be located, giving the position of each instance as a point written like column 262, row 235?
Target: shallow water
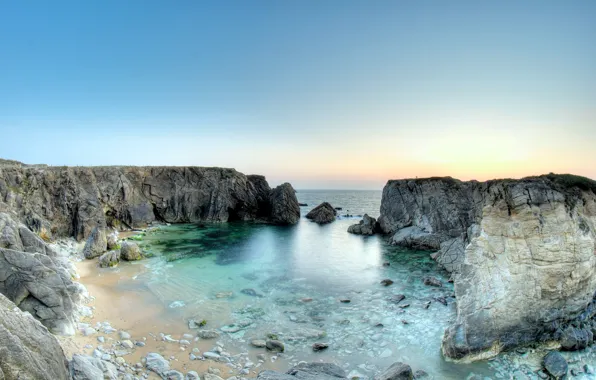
column 297, row 276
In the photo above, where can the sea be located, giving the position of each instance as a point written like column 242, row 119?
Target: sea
column 310, row 283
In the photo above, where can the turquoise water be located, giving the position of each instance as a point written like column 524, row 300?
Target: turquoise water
column 297, row 276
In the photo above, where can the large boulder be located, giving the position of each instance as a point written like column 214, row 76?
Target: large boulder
column 284, row 205
column 397, row 371
column 27, row 349
column 96, row 244
column 555, row 364
column 322, row 214
column 367, row 226
column 130, row 251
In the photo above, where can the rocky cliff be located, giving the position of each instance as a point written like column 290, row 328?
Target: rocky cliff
column 71, row 201
column 522, row 253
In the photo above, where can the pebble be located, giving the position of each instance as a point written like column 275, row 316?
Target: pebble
column 101, row 339
column 124, row 335
column 127, row 344
column 211, row 355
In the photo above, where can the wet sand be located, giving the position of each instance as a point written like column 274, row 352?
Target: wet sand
column 133, row 310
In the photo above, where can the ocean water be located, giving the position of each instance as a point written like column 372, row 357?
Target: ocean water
column 250, row 281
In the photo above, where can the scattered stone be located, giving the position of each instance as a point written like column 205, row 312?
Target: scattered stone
column 397, row 298
column 441, row 300
column 211, row 355
column 345, row 300
column 127, row 344
column 432, row 281
column 306, row 300
column 259, row 343
column 319, row 347
column 101, row 339
column 405, row 305
column 275, row 345
column 124, row 335
column 192, row 375
column 250, row 292
column 173, row 375
column 386, row 282
column 555, row 364
column 397, row 371
column 156, row 363
column 208, row 334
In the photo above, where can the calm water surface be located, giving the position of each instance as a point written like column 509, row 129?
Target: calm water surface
column 299, row 274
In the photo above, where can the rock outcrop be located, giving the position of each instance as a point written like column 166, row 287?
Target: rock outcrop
column 36, row 278
column 322, row 214
column 72, row 201
column 367, row 226
column 27, row 349
column 522, row 253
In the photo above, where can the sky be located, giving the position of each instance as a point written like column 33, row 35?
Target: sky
column 322, row 94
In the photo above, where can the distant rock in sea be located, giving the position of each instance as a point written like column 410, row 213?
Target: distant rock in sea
column 322, row 214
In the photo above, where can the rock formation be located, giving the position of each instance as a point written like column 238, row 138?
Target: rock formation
column 28, row 350
column 36, row 278
column 367, row 226
column 322, row 214
column 72, row 201
column 522, row 253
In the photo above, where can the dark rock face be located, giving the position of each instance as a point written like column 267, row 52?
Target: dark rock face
column 73, row 201
column 322, row 214
column 27, row 349
column 574, row 339
column 397, row 371
column 555, row 365
column 512, row 246
column 367, row 226
column 284, row 205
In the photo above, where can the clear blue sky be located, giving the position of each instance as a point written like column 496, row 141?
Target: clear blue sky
column 319, row 93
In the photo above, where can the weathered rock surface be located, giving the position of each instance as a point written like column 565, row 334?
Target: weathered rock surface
column 397, row 371
column 109, row 259
column 306, row 371
column 521, row 253
column 555, row 365
column 284, row 205
column 322, row 214
column 36, row 279
column 72, row 201
column 89, row 368
column 96, row 244
column 367, row 226
column 27, row 349
column 130, row 251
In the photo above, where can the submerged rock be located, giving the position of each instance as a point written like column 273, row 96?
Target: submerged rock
column 274, row 345
column 432, row 281
column 397, row 371
column 322, row 214
column 319, row 347
column 96, row 243
column 130, row 251
column 367, row 226
column 250, row 292
column 386, row 282
column 555, row 364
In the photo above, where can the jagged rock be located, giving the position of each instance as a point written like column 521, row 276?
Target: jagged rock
column 521, row 253
column 88, row 368
column 555, row 364
column 109, row 259
column 72, row 201
column 322, row 214
column 284, row 205
column 367, row 226
column 397, row 371
column 96, row 244
column 27, row 349
column 130, row 251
